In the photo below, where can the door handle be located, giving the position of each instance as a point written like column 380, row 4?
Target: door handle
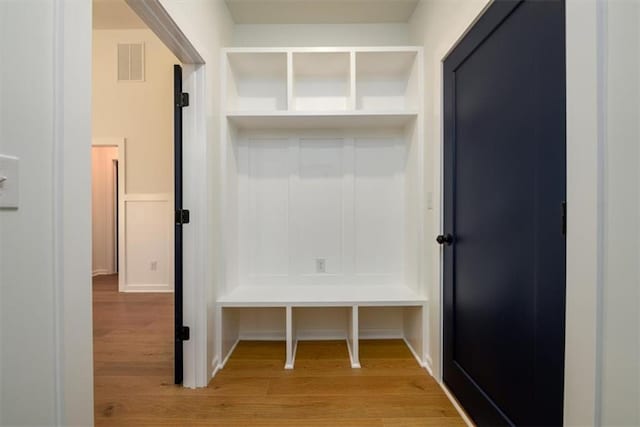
column 445, row 239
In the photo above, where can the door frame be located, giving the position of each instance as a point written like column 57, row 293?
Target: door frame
column 586, row 91
column 72, row 214
column 196, row 188
column 118, row 143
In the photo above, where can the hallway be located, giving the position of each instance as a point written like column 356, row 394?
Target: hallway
column 133, row 359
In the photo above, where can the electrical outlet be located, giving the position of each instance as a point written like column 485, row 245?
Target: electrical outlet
column 321, row 265
column 154, row 265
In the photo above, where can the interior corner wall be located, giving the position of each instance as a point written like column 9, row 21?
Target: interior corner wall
column 142, row 113
column 437, row 25
column 321, row 35
column 208, row 26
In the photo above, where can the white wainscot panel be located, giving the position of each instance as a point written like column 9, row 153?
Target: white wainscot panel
column 318, row 211
column 265, row 191
column 148, row 244
column 379, row 209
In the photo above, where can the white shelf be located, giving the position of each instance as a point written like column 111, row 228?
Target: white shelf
column 387, row 80
column 257, row 81
column 321, row 296
column 321, row 119
column 321, row 81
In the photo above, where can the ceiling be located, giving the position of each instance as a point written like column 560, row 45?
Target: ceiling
column 321, row 11
column 115, row 15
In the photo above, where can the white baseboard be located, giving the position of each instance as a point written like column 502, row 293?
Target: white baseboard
column 263, row 336
column 429, row 365
column 142, row 288
column 457, row 405
column 102, row 272
column 415, row 353
column 226, row 358
column 215, row 367
column 380, row 334
column 321, row 334
column 310, row 335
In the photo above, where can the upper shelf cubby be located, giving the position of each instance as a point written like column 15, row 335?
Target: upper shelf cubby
column 257, row 81
column 321, row 81
column 289, row 87
column 387, row 81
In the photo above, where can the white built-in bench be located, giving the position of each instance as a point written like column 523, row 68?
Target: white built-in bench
column 289, row 305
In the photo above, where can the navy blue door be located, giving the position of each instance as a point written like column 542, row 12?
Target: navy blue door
column 504, row 192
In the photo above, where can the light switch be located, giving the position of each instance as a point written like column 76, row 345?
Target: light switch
column 9, row 188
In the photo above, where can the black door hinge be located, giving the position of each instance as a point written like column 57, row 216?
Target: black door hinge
column 182, row 100
column 183, row 334
column 183, row 216
column 564, row 218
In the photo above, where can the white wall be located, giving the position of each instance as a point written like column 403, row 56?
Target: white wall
column 585, row 135
column 25, row 234
column 142, row 113
column 103, row 209
column 321, row 35
column 437, row 25
column 208, row 26
column 620, row 341
column 45, row 300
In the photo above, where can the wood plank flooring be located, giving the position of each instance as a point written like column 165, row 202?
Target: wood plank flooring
column 133, row 366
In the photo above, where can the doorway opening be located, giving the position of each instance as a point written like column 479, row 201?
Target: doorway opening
column 105, row 214
column 133, row 197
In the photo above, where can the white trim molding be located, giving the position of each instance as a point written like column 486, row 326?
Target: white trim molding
column 165, row 211
column 71, row 160
column 119, row 143
column 161, row 23
column 197, row 246
column 585, row 80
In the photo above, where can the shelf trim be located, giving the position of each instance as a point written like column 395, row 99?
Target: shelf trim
column 308, row 114
column 407, row 297
column 322, row 49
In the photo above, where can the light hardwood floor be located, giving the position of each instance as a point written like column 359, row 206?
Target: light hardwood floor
column 133, row 358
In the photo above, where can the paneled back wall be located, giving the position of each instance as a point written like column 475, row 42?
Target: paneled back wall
column 326, row 210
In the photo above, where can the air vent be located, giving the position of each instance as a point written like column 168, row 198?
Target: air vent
column 131, row 62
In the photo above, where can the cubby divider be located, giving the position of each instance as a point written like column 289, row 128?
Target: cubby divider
column 352, row 338
column 292, row 340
